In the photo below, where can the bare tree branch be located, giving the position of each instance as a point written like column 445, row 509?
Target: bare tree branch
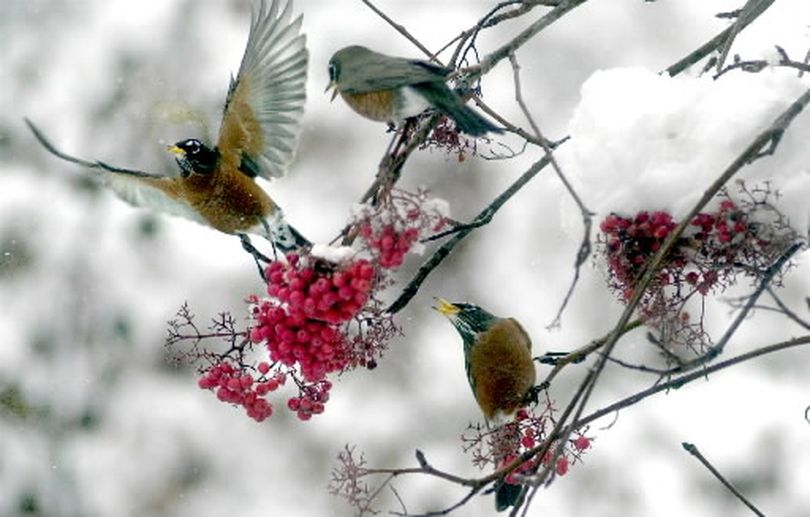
column 690, row 377
column 693, row 450
column 484, row 217
column 716, row 42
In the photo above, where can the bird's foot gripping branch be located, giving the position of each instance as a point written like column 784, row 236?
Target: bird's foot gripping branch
column 322, row 314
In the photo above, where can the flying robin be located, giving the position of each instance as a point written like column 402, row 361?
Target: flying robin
column 500, row 370
column 392, row 89
column 257, row 137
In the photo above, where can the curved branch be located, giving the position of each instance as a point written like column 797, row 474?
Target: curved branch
column 687, row 378
column 484, row 217
column 716, row 42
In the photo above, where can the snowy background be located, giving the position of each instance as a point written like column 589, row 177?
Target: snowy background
column 95, row 422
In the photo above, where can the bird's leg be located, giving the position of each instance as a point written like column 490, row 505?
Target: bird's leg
column 257, row 255
column 532, row 396
column 269, row 235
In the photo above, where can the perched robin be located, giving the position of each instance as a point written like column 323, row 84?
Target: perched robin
column 500, row 369
column 257, row 137
column 392, row 89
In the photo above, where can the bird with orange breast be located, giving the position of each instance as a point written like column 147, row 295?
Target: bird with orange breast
column 392, row 89
column 500, row 370
column 259, row 132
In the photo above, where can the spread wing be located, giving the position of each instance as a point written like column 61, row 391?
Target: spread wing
column 147, row 190
column 133, row 186
column 265, row 102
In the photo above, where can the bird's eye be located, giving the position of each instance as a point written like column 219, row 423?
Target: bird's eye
column 333, row 71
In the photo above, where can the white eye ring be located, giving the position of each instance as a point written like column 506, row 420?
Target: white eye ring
column 192, row 147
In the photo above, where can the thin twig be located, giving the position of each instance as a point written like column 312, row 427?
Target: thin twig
column 684, row 379
column 758, row 65
column 584, row 250
column 693, row 450
column 787, row 311
column 399, row 28
column 767, row 277
column 715, row 43
column 714, row 351
column 581, row 353
column 486, row 215
column 503, row 52
column 742, row 15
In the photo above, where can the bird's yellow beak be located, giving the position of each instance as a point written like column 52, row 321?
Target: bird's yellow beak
column 331, row 86
column 176, row 150
column 445, row 307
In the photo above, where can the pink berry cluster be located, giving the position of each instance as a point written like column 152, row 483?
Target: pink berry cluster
column 705, row 255
column 316, row 346
column 312, row 298
column 523, row 434
column 311, row 400
column 315, row 289
column 740, row 236
column 235, row 385
column 390, row 244
column 305, row 322
column 392, row 228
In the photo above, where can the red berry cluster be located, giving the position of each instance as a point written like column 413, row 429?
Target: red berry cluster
column 447, row 136
column 236, row 386
column 392, row 228
column 318, row 347
column 724, row 226
column 391, row 245
column 529, row 430
column 303, row 325
column 630, row 242
column 311, row 400
column 701, row 258
column 318, row 290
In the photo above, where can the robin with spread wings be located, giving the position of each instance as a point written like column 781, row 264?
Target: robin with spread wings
column 257, row 137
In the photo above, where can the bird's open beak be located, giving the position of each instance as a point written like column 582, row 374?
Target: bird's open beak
column 332, row 86
column 176, row 151
column 445, row 307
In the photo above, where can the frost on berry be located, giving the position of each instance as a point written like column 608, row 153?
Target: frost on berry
column 391, row 229
column 739, row 237
column 497, row 448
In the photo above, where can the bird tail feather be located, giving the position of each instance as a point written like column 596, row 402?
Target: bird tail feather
column 466, row 119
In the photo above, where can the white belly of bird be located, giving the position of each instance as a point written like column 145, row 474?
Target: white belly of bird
column 411, row 103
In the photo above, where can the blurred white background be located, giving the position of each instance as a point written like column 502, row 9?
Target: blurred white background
column 95, row 422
